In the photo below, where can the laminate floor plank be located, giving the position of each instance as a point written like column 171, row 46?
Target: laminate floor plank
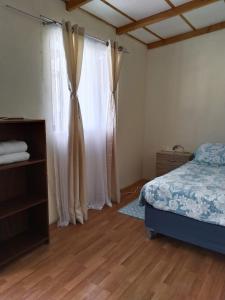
column 111, row 258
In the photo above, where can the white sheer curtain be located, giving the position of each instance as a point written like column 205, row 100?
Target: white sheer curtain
column 94, row 95
column 58, row 121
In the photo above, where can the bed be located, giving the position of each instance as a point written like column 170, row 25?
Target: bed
column 189, row 203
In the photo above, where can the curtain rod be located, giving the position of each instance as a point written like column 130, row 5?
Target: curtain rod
column 48, row 21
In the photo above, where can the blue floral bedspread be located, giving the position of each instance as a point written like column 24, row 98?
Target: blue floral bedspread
column 194, row 190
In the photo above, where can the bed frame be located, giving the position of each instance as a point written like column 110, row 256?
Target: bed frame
column 199, row 233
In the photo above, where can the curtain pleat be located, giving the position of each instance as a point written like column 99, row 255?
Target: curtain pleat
column 57, row 115
column 94, row 94
column 115, row 59
column 73, row 37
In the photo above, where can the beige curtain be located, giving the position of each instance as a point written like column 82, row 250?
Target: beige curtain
column 74, row 43
column 115, row 59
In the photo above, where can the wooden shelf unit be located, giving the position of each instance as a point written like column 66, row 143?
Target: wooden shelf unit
column 23, row 192
column 21, row 164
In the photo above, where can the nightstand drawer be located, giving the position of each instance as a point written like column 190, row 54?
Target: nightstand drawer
column 169, row 158
column 168, row 161
column 164, row 170
column 170, row 165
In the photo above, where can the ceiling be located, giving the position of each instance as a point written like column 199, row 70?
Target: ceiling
column 157, row 22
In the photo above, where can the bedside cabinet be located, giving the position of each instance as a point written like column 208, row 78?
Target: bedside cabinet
column 167, row 161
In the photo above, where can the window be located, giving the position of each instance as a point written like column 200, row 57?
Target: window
column 94, row 95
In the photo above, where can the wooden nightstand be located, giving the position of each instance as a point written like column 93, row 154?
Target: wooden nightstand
column 167, row 161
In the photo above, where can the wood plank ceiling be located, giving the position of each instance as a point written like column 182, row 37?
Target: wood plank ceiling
column 157, row 23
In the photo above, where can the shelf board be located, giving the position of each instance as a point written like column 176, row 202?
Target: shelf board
column 16, row 205
column 19, row 245
column 21, row 164
column 18, row 121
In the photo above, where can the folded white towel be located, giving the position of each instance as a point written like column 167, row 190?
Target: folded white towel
column 14, row 157
column 8, row 147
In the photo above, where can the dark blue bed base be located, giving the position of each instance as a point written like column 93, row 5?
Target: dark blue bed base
column 202, row 234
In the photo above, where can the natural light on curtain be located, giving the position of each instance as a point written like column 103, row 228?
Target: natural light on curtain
column 94, row 95
column 58, row 121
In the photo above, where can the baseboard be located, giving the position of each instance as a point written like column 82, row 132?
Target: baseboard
column 134, row 185
column 126, row 189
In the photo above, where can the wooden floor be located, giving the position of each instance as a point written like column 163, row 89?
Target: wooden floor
column 110, row 258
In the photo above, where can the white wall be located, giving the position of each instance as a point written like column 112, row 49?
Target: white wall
column 23, row 92
column 185, row 101
column 185, row 86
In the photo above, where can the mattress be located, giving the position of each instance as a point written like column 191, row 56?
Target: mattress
column 194, row 190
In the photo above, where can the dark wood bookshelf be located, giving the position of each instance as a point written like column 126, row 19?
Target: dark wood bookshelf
column 14, row 206
column 23, row 192
column 19, row 245
column 21, row 164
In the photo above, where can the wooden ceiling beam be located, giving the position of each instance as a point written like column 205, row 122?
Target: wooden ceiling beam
column 129, row 17
column 187, row 35
column 73, row 4
column 111, row 25
column 182, row 17
column 176, row 11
